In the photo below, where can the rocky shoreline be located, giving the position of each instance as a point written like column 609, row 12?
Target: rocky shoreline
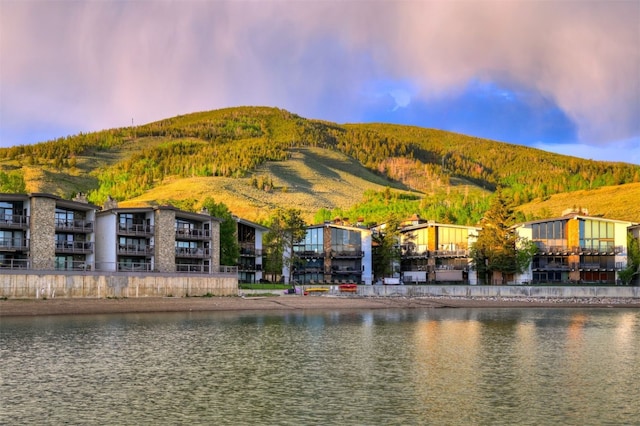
column 33, row 307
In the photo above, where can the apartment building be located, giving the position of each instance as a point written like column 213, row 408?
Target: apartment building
column 436, row 252
column 576, row 249
column 45, row 232
column 333, row 253
column 161, row 239
column 250, row 242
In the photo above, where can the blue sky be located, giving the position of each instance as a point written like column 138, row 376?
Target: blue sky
column 560, row 76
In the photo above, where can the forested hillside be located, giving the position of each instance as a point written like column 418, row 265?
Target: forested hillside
column 449, row 174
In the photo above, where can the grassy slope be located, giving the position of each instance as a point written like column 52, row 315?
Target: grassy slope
column 312, row 179
column 615, row 202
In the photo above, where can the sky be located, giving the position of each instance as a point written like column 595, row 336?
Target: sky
column 563, row 76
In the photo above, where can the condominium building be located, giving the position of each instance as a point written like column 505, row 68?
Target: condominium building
column 436, row 252
column 45, row 232
column 333, row 253
column 161, row 239
column 576, row 248
column 250, row 241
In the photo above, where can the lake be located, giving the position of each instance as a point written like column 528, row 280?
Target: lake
column 393, row 367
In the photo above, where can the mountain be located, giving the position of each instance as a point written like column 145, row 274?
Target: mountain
column 257, row 158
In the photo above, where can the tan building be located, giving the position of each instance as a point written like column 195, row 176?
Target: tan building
column 576, row 248
column 437, row 252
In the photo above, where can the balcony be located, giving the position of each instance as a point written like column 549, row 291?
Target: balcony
column 313, row 254
column 136, row 229
column 15, row 264
column 345, row 254
column 199, row 253
column 250, row 251
column 345, row 270
column 135, row 249
column 73, row 266
column 134, row 266
column 551, row 267
column 76, row 247
column 450, row 253
column 193, row 234
column 14, row 244
column 606, row 266
column 409, row 253
column 14, row 222
column 193, row 268
column 74, row 226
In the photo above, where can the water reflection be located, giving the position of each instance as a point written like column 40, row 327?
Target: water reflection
column 443, row 366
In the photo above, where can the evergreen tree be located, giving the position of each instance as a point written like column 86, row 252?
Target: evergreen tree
column 386, row 252
column 633, row 261
column 229, row 248
column 287, row 229
column 499, row 251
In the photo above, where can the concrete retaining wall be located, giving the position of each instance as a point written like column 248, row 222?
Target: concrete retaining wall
column 489, row 291
column 48, row 285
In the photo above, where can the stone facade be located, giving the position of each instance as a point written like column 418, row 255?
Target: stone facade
column 43, row 233
column 215, row 245
column 165, row 240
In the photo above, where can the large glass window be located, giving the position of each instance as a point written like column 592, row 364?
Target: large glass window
column 416, row 241
column 344, row 240
column 452, row 238
column 64, row 217
column 549, row 235
column 597, row 235
column 312, row 243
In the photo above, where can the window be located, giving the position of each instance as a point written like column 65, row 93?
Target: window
column 452, row 238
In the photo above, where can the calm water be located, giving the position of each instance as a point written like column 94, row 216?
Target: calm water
column 406, row 367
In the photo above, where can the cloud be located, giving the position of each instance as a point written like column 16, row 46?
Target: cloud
column 91, row 65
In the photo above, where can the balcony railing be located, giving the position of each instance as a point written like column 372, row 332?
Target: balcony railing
column 78, row 247
column 135, row 249
column 135, row 229
column 347, row 253
column 309, row 253
column 134, row 266
column 74, row 266
column 250, row 251
column 74, row 226
column 193, row 234
column 15, row 264
column 602, row 249
column 193, row 252
column 450, row 253
column 14, row 221
column 14, row 244
column 591, row 266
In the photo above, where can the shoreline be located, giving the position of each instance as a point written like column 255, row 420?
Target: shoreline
column 40, row 307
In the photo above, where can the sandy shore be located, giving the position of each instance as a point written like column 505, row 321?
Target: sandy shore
column 22, row 307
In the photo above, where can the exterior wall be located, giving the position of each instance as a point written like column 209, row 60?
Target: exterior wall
column 165, row 240
column 326, row 248
column 432, row 233
column 106, row 241
column 43, row 231
column 489, row 291
column 215, row 245
column 259, row 262
column 573, row 240
column 367, row 259
column 95, row 285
